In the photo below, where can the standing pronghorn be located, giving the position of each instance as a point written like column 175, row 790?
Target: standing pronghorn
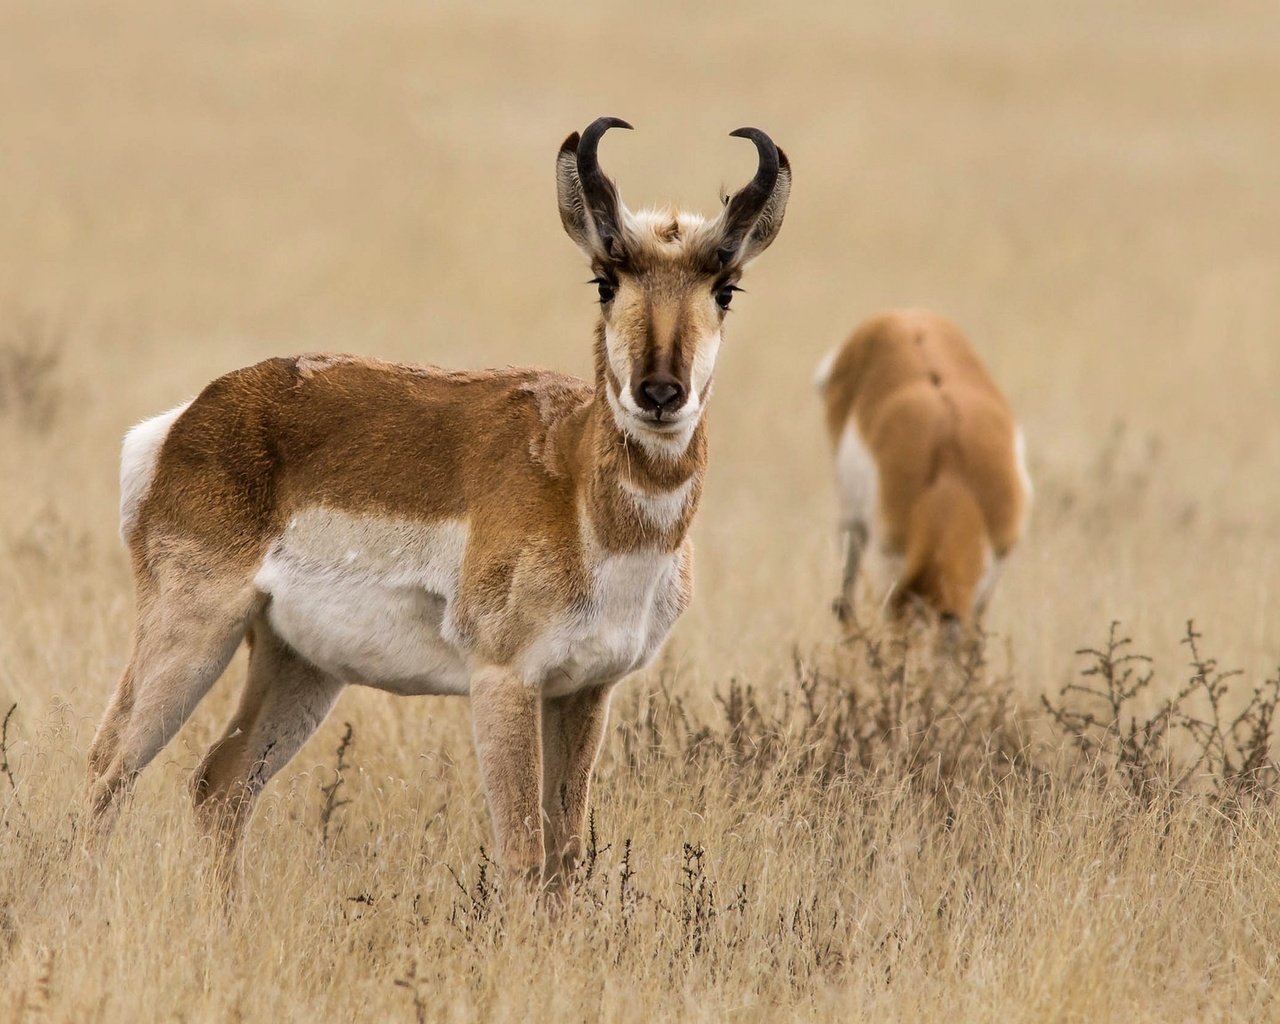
column 516, row 535
column 929, row 465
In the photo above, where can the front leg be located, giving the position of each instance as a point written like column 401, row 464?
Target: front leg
column 855, row 542
column 572, row 733
column 506, row 716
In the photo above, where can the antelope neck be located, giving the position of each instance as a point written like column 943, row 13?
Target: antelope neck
column 637, row 495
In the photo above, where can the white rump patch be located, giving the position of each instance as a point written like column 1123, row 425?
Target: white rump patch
column 858, row 491
column 822, row 375
column 138, row 457
column 857, row 479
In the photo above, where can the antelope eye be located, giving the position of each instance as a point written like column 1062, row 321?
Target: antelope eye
column 724, row 295
column 606, row 289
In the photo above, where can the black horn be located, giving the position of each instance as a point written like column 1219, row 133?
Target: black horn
column 745, row 207
column 601, row 194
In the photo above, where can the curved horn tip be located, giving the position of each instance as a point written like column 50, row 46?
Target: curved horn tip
column 603, row 124
column 755, row 135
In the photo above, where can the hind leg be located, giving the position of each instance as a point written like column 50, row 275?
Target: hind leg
column 186, row 635
column 986, row 587
column 284, row 701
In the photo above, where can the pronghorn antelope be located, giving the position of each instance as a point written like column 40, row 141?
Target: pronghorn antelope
column 930, row 470
column 518, row 535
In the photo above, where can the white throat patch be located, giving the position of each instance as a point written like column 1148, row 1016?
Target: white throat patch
column 662, row 510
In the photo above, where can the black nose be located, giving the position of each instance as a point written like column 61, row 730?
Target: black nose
column 660, row 393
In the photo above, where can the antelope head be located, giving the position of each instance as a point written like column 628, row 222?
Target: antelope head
column 666, row 281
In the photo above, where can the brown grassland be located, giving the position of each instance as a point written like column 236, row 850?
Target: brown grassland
column 786, row 826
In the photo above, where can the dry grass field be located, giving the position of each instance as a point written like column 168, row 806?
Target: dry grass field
column 787, row 827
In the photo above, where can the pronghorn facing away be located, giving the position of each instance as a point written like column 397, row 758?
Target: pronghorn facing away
column 932, row 483
column 519, row 536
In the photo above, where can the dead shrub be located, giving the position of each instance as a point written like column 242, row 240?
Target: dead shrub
column 1191, row 743
column 31, row 357
column 874, row 704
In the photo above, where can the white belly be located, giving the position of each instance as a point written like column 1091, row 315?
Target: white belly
column 370, row 600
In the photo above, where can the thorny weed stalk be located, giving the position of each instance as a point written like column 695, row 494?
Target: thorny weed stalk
column 418, row 989
column 1190, row 743
column 332, row 803
column 1114, row 740
column 5, row 767
column 1233, row 751
column 472, row 911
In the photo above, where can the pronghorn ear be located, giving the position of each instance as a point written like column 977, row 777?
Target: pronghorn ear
column 573, row 204
column 753, row 216
column 590, row 209
column 768, row 224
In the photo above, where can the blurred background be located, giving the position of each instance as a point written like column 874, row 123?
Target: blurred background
column 1089, row 190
